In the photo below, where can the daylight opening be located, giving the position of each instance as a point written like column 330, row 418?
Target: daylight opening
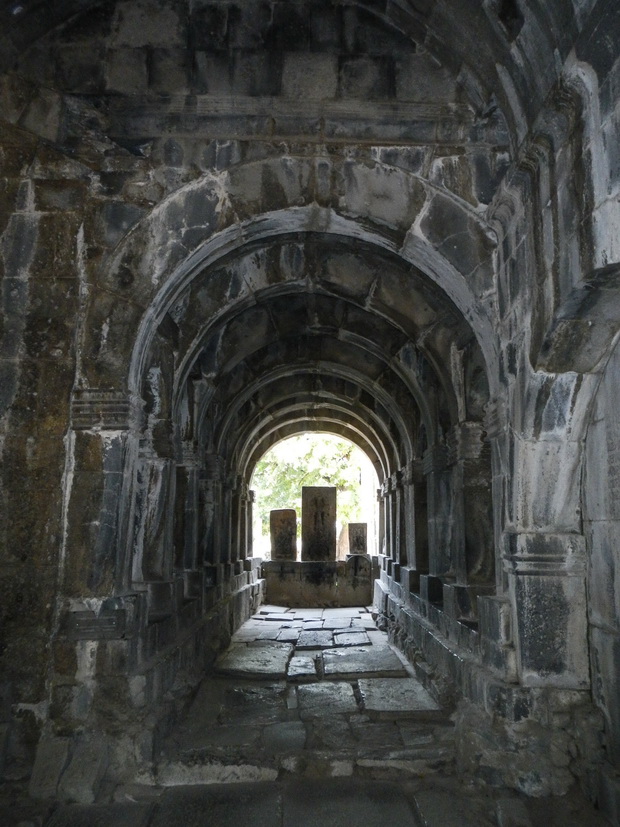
column 315, row 459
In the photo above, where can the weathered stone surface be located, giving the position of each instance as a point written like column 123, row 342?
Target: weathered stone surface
column 266, row 659
column 301, row 668
column 330, row 804
column 351, row 638
column 318, row 699
column 397, row 697
column 315, row 640
column 283, row 531
column 252, row 804
column 102, row 815
column 50, row 763
column 289, row 736
column 318, row 524
column 358, row 538
column 350, row 663
column 82, row 779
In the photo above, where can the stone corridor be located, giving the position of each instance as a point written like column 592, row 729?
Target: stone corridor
column 228, row 222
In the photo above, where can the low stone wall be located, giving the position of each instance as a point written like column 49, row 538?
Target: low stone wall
column 538, row 740
column 325, row 584
column 130, row 672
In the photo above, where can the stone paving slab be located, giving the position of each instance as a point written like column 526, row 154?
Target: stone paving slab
column 351, row 639
column 268, row 608
column 250, row 805
column 302, row 668
column 285, row 737
column 101, row 815
column 341, row 612
column 397, row 697
column 332, row 803
column 219, row 739
column 260, row 658
column 332, row 732
column 436, row 808
column 338, row 623
column 315, row 640
column 306, row 614
column 356, row 662
column 272, row 632
column 253, row 704
column 325, row 699
column 289, row 635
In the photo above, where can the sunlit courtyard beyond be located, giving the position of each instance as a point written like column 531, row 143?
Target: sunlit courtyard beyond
column 313, row 459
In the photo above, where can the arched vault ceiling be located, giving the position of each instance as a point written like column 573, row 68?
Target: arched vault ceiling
column 314, row 396
column 382, row 312
column 497, row 53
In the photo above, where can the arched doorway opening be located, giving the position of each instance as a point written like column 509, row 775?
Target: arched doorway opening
column 316, row 459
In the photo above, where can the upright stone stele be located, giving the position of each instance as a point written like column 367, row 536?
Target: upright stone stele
column 283, row 530
column 358, row 543
column 318, row 524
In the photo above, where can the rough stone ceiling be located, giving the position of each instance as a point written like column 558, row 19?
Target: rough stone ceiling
column 501, row 52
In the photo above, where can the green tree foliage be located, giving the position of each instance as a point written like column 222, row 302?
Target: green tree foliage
column 309, row 459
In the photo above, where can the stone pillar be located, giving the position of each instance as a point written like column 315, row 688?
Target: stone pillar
column 211, row 477
column 409, row 515
column 439, row 488
column 318, row 523
column 283, row 530
column 186, row 510
column 546, row 574
column 243, row 522
column 236, row 505
column 381, row 528
column 475, row 563
column 401, row 538
column 104, row 456
column 358, row 538
column 250, row 523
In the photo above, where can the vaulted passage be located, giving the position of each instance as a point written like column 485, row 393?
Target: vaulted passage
column 223, row 224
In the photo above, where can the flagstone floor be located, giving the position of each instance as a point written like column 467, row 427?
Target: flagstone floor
column 310, row 719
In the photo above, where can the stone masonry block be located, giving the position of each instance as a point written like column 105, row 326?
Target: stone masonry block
column 309, row 75
column 82, row 779
column 51, row 759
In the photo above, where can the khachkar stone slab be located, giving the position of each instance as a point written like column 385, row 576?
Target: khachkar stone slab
column 318, row 524
column 283, row 529
column 358, row 534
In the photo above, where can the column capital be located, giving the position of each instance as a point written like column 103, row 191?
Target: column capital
column 435, row 458
column 538, row 553
column 465, row 441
